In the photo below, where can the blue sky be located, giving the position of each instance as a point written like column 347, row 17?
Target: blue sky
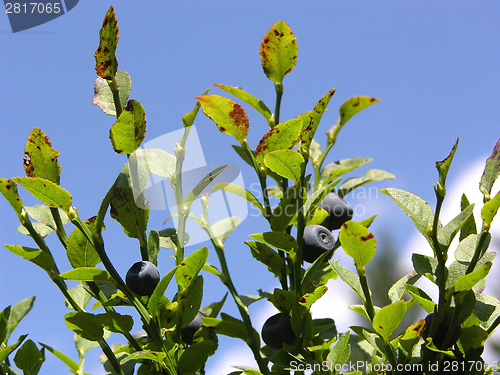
column 433, row 64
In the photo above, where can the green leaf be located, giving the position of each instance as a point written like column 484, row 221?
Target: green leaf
column 80, row 251
column 229, row 116
column 188, row 118
column 105, row 59
column 80, row 295
column 191, row 266
column 338, row 168
column 444, row 166
column 490, row 209
column 198, row 189
column 309, row 298
column 5, row 352
column 357, row 242
column 388, row 318
column 279, row 240
column 491, row 170
column 487, row 309
column 267, row 256
column 28, row 358
column 278, row 52
column 212, row 310
column 283, row 300
column 40, row 159
column 192, row 304
column 154, row 300
column 48, row 192
column 8, row 189
column 125, row 209
column 354, row 105
column 17, row 313
column 398, row 290
column 312, row 120
column 449, row 231
column 36, row 256
column 4, row 321
column 286, row 163
column 466, row 282
column 103, row 96
column 115, row 322
column 349, row 277
column 129, row 130
column 316, row 197
column 153, row 246
column 247, row 98
column 85, row 325
column 43, row 215
column 469, row 227
column 341, row 350
column 63, row 357
column 231, row 327
column 241, row 192
column 370, row 176
column 415, row 207
column 86, row 274
column 195, row 357
column 145, row 355
column 281, row 137
column 421, row 297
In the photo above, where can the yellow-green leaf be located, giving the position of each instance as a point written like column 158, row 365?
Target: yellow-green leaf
column 48, row 192
column 229, row 116
column 106, row 63
column 8, row 189
column 358, row 242
column 388, row 318
column 129, row 130
column 40, row 159
column 278, row 51
column 286, row 163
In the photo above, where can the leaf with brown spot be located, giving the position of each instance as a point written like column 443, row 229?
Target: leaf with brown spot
column 228, row 115
column 106, row 63
column 247, row 98
column 267, row 256
column 40, row 159
column 48, row 192
column 191, row 266
column 353, row 106
column 387, row 319
column 278, row 52
column 8, row 189
column 282, row 137
column 129, row 130
column 315, row 117
column 491, row 170
column 357, row 242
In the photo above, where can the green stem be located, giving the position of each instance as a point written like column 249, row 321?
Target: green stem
column 297, row 259
column 60, row 232
column 113, row 86
column 262, row 179
column 110, row 355
column 245, row 314
column 279, row 94
column 439, row 253
column 370, row 309
column 319, row 165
